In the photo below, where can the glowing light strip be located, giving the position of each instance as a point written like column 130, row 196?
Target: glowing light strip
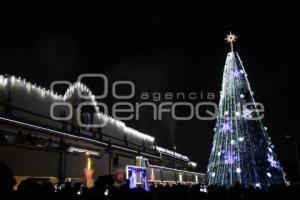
column 134, row 151
column 172, row 169
column 172, row 153
column 81, row 150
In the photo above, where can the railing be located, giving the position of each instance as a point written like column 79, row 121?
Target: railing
column 67, row 127
column 166, row 174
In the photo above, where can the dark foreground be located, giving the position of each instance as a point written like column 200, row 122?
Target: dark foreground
column 105, row 189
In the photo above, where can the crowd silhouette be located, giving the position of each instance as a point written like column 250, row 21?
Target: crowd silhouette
column 105, row 188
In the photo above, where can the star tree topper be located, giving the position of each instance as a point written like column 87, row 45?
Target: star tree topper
column 231, row 39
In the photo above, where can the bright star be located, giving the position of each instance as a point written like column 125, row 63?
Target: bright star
column 230, row 39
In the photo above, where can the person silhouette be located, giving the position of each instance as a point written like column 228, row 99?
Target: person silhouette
column 7, row 182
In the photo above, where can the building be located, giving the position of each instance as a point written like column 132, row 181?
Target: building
column 34, row 144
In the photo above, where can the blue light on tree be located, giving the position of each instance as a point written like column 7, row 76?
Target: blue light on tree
column 226, row 127
column 230, row 157
column 274, row 163
column 237, row 73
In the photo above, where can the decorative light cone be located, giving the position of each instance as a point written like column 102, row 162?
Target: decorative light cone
column 242, row 151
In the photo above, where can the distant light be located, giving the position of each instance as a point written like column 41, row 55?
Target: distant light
column 269, row 175
column 180, row 177
column 13, row 80
column 106, row 192
column 196, row 178
column 241, row 139
column 163, row 150
column 203, row 189
column 193, row 164
column 238, row 170
column 85, row 151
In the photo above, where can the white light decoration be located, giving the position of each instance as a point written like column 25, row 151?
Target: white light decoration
column 193, row 164
column 213, row 174
column 12, row 80
column 269, row 174
column 257, row 185
column 3, row 81
column 106, row 192
column 81, row 150
column 43, row 93
column 266, row 128
column 196, row 178
column 241, row 138
column 247, row 114
column 169, row 152
column 237, row 114
column 180, row 177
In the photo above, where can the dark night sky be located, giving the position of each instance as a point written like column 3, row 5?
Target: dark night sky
column 162, row 47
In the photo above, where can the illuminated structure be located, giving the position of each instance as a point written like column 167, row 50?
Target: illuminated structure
column 58, row 147
column 242, row 151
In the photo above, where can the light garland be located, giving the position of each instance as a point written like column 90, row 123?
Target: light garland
column 163, row 150
column 13, row 81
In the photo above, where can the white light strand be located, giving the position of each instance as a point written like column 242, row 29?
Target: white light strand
column 29, row 87
column 163, row 150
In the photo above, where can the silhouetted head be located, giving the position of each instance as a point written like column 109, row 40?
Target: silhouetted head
column 7, row 180
column 28, row 189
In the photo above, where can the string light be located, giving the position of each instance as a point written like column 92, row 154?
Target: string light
column 248, row 160
column 22, row 84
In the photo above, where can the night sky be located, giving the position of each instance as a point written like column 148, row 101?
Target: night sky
column 163, row 47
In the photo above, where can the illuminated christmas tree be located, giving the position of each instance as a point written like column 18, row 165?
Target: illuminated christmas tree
column 242, row 150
